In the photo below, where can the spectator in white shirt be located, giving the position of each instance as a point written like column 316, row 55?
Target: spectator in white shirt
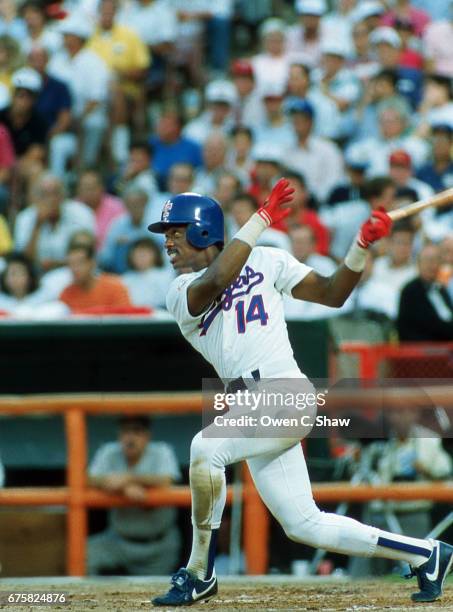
column 273, row 60
column 43, row 230
column 221, row 98
column 394, row 133
column 305, row 37
column 317, row 159
column 147, row 279
column 337, row 82
column 391, row 272
column 87, row 77
column 214, row 156
column 303, row 245
column 249, row 109
column 275, row 129
column 239, row 158
column 38, row 31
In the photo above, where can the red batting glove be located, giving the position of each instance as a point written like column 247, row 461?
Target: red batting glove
column 374, row 228
column 273, row 210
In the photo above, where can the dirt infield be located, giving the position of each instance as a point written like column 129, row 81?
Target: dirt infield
column 264, row 594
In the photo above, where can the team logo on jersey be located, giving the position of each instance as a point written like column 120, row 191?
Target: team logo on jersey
column 166, row 210
column 241, row 286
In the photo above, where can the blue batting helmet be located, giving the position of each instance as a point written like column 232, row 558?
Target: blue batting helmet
column 202, row 215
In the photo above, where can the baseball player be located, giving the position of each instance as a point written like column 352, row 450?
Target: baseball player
column 228, row 304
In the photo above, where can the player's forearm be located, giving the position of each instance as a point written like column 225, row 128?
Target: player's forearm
column 340, row 286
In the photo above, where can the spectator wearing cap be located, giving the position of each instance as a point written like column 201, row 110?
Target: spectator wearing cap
column 388, row 46
column 380, row 91
column 43, row 230
column 305, row 37
column 401, row 171
column 266, row 171
column 338, row 82
column 242, row 208
column 351, row 189
column 124, row 231
column 368, row 12
column 221, row 98
column 403, row 10
column 28, row 129
column 137, row 171
column 249, row 109
column 38, row 31
column 128, row 59
column 138, row 540
column 394, row 133
column 170, row 146
column 317, row 159
column 214, row 158
column 239, row 159
column 437, row 104
column 275, row 129
column 301, row 214
column 327, row 119
column 411, row 55
column 432, row 318
column 155, row 22
column 273, row 60
column 438, row 44
column 54, row 105
column 87, row 77
column 90, row 289
column 438, row 172
column 146, row 279
column 106, row 207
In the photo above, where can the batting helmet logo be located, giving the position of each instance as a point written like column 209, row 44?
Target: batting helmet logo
column 166, row 211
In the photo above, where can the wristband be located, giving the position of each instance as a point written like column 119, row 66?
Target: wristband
column 356, row 257
column 252, row 230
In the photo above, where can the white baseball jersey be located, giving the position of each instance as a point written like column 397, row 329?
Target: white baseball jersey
column 245, row 328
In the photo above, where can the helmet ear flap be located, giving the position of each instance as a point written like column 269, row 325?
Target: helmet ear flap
column 198, row 235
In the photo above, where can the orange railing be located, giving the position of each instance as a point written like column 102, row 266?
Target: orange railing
column 437, row 357
column 78, row 497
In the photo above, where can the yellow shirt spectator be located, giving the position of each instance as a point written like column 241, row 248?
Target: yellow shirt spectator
column 6, row 242
column 123, row 52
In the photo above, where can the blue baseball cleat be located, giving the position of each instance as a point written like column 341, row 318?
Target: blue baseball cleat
column 187, row 589
column 431, row 575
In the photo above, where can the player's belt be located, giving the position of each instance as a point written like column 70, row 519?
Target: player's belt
column 240, row 384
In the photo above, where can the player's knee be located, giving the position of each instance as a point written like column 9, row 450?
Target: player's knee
column 304, row 528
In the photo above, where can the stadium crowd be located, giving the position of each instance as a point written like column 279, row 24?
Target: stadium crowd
column 108, row 108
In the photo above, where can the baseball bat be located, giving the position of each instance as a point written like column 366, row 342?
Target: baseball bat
column 436, row 201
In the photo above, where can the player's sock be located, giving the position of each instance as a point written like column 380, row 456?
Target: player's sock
column 402, row 548
column 202, row 556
